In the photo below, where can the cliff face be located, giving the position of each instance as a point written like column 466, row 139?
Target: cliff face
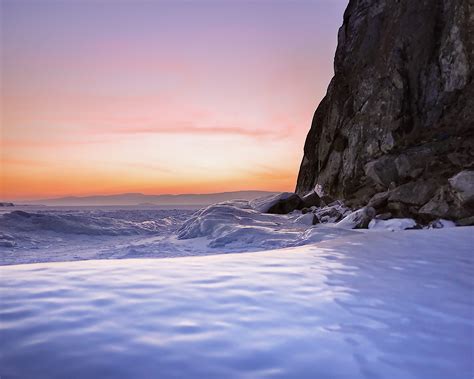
column 399, row 113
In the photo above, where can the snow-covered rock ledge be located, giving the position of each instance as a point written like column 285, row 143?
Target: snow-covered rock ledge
column 382, row 305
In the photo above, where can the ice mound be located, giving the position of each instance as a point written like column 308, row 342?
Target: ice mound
column 238, row 225
column 394, row 224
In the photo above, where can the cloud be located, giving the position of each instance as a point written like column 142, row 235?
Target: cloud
column 49, row 143
column 146, row 166
column 188, row 128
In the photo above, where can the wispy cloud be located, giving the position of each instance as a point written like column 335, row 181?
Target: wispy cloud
column 49, row 143
column 188, row 128
column 146, row 166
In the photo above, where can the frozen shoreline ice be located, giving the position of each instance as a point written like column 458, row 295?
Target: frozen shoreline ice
column 381, row 305
column 62, row 234
column 51, row 235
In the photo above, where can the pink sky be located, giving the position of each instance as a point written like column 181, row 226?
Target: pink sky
column 103, row 97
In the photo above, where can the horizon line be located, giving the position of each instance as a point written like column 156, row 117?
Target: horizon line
column 132, row 193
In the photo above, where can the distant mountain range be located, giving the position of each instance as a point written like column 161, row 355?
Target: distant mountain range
column 141, row 199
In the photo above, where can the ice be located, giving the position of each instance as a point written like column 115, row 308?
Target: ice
column 7, row 240
column 441, row 223
column 47, row 234
column 365, row 305
column 394, row 224
column 352, row 219
column 306, row 219
column 237, row 226
column 70, row 223
column 66, row 234
column 335, row 302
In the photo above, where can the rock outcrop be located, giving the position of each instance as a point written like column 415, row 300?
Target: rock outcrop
column 398, row 117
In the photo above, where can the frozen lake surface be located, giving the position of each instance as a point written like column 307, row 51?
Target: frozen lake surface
column 370, row 305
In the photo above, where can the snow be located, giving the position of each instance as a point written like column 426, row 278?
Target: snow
column 363, row 305
column 441, row 223
column 395, row 224
column 53, row 234
column 305, row 219
column 353, row 219
column 237, row 226
column 48, row 234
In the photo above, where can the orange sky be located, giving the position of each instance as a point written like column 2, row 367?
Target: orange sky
column 159, row 97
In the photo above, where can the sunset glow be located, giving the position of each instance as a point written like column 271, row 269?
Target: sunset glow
column 102, row 97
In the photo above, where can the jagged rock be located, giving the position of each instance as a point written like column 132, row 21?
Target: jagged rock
column 329, row 215
column 327, row 199
column 414, row 193
column 453, row 201
column 287, row 205
column 382, row 171
column 400, row 107
column 358, row 219
column 332, row 213
column 465, row 221
column 384, row 216
column 316, row 220
column 281, row 203
column 311, row 199
column 435, row 208
column 399, row 209
column 412, row 162
column 379, row 200
column 463, row 185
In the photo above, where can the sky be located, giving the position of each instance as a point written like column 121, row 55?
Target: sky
column 113, row 96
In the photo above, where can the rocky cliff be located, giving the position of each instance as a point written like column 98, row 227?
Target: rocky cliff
column 397, row 121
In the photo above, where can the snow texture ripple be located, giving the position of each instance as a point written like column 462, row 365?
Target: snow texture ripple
column 370, row 305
